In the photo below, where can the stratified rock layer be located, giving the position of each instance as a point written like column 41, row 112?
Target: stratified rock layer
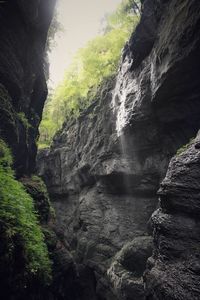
column 98, row 199
column 174, row 269
column 103, row 170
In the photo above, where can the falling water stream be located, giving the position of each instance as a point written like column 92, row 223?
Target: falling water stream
column 125, row 95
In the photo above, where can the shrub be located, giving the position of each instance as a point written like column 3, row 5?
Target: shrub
column 20, row 224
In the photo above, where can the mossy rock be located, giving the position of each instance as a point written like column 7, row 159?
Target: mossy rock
column 23, row 252
column 6, row 159
column 8, row 117
column 134, row 255
column 184, row 147
column 37, row 189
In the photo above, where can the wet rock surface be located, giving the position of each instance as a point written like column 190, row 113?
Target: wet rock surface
column 104, row 169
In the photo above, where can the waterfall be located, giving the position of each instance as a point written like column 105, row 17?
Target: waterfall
column 125, row 95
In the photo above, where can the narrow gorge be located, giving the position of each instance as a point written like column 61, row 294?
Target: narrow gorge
column 123, row 178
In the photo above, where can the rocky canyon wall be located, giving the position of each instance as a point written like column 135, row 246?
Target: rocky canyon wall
column 23, row 33
column 24, row 27
column 103, row 170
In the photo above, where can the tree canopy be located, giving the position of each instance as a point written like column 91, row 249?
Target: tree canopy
column 91, row 65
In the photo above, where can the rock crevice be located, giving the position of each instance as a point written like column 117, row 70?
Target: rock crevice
column 103, row 170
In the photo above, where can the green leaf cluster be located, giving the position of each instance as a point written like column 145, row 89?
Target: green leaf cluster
column 19, row 223
column 91, row 65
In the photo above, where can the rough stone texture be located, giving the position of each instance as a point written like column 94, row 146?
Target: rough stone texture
column 65, row 284
column 174, row 269
column 99, row 199
column 125, row 273
column 103, row 171
column 23, row 32
column 24, row 26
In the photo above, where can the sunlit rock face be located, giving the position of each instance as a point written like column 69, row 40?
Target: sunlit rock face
column 103, row 170
column 24, row 26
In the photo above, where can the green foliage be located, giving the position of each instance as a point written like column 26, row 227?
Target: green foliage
column 91, row 65
column 48, row 126
column 5, row 155
column 19, row 222
column 21, row 116
column 7, row 113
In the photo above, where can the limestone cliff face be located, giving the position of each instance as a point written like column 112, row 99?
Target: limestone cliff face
column 24, row 26
column 103, row 170
column 173, row 270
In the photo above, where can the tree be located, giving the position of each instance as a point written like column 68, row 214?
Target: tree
column 91, row 65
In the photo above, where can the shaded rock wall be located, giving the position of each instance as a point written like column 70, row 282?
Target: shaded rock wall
column 103, row 170
column 173, row 270
column 23, row 33
column 24, row 26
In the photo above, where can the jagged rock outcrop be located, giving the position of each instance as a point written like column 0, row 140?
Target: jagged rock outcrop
column 127, row 269
column 90, row 182
column 103, row 170
column 24, row 27
column 174, row 269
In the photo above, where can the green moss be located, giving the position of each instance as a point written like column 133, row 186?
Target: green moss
column 52, row 213
column 184, row 147
column 7, row 113
column 43, row 145
column 39, row 183
column 21, row 116
column 5, row 155
column 51, row 239
column 36, row 187
column 20, row 222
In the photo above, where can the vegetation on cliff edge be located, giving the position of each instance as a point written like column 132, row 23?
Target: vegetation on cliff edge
column 91, row 65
